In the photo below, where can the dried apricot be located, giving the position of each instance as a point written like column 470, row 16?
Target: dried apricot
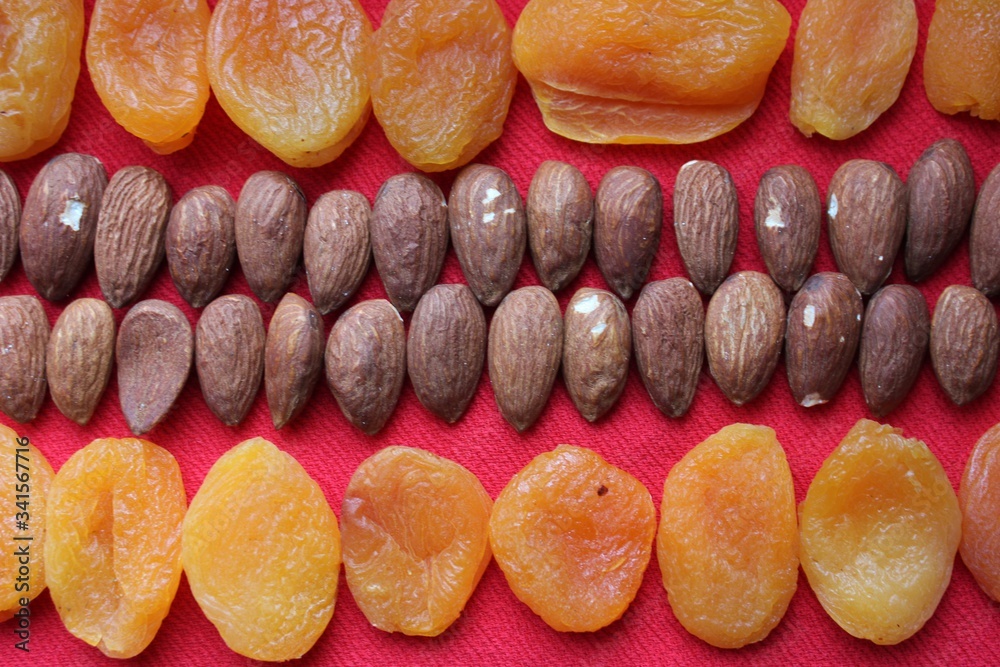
column 879, row 528
column 979, row 496
column 962, row 59
column 113, row 543
column 728, row 538
column 416, row 539
column 268, row 601
column 573, row 535
column 851, row 59
column 147, row 61
column 291, row 74
column 40, row 46
column 648, row 71
column 441, row 79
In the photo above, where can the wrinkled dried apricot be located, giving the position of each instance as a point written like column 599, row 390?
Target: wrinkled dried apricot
column 291, row 74
column 40, row 46
column 962, row 59
column 728, row 538
column 851, row 59
column 147, row 63
column 979, row 497
column 648, row 71
column 441, row 79
column 113, row 543
column 573, row 535
column 416, row 539
column 879, row 528
column 261, row 551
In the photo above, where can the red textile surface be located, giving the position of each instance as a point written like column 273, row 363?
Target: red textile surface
column 496, row 628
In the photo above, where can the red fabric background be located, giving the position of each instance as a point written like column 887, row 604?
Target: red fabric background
column 496, row 628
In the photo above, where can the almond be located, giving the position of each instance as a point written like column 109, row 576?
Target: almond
column 409, row 237
column 821, row 337
column 24, row 335
column 628, row 217
column 366, row 363
column 201, row 243
column 706, row 222
column 445, row 350
column 560, row 210
column 866, row 213
column 10, row 222
column 524, row 350
column 894, row 340
column 153, row 352
column 293, row 357
column 80, row 354
column 59, row 221
column 337, row 248
column 597, row 345
column 488, row 230
column 984, row 237
column 270, row 225
column 229, row 356
column 964, row 343
column 744, row 331
column 668, row 333
column 787, row 215
column 128, row 247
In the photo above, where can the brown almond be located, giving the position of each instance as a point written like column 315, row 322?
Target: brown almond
column 80, row 355
column 488, row 230
column 744, row 331
column 409, row 237
column 706, row 222
column 293, row 357
column 270, row 224
column 866, row 213
column 445, row 350
column 821, row 337
column 337, row 248
column 366, row 363
column 942, row 192
column 788, row 215
column 524, row 350
column 128, row 247
column 229, row 356
column 668, row 334
column 59, row 221
column 964, row 343
column 984, row 237
column 597, row 345
column 24, row 335
column 201, row 243
column 628, row 217
column 154, row 350
column 560, row 211
column 894, row 341
column 10, row 222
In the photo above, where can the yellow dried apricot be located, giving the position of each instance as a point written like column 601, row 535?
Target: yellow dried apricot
column 962, row 59
column 879, row 528
column 979, row 497
column 113, row 543
column 267, row 599
column 147, row 62
column 573, row 535
column 416, row 539
column 728, row 538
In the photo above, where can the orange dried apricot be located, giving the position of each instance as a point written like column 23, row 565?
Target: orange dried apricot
column 728, row 538
column 648, row 71
column 147, row 61
column 573, row 535
column 113, row 543
column 979, row 497
column 962, row 59
column 879, row 528
column 416, row 539
column 291, row 74
column 851, row 59
column 40, row 45
column 268, row 601
column 441, row 79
